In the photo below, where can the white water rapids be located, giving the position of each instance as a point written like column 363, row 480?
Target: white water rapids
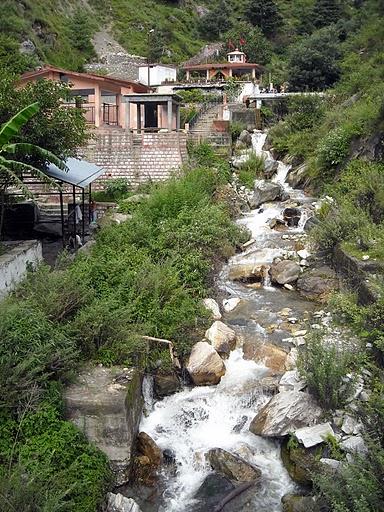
column 197, row 419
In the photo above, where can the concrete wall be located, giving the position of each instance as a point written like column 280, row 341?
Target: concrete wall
column 137, row 157
column 158, row 74
column 14, row 263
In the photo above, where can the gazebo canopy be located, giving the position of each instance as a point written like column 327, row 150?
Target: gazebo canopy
column 80, row 172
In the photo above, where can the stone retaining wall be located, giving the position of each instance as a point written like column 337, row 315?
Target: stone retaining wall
column 137, row 157
column 15, row 262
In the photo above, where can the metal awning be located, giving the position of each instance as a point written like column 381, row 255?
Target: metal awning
column 80, row 172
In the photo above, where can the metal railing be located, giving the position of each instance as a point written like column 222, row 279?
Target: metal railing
column 110, row 114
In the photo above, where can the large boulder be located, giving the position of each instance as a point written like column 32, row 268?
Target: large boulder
column 119, row 503
column 232, row 466
column 292, row 216
column 222, row 337
column 148, row 447
column 106, row 404
column 318, row 283
column 212, row 306
column 271, row 356
column 265, row 191
column 285, row 413
column 297, row 503
column 298, row 176
column 246, row 138
column 284, row 272
column 248, row 273
column 166, row 384
column 270, row 167
column 204, row 365
column 301, row 463
column 211, row 492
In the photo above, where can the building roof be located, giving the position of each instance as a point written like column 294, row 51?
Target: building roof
column 223, row 65
column 236, row 52
column 80, row 172
column 137, row 86
column 152, row 98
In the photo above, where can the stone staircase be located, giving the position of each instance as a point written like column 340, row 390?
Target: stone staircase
column 202, row 130
column 204, row 121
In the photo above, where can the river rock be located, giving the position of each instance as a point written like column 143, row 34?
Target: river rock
column 265, row 191
column 270, row 167
column 247, row 273
column 212, row 306
column 232, row 466
column 246, row 138
column 292, row 216
column 298, row 176
column 284, row 272
column 231, row 304
column 318, row 283
column 297, row 503
column 291, row 381
column 311, row 223
column 119, row 503
column 285, row 413
column 166, row 384
column 148, row 447
column 301, row 463
column 271, row 356
column 311, row 436
column 106, row 404
column 211, row 492
column 222, row 337
column 205, row 366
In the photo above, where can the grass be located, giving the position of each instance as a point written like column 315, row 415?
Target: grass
column 251, row 169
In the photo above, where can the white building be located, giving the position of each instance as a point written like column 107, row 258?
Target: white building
column 159, row 73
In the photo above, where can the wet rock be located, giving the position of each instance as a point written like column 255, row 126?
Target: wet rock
column 232, row 466
column 148, row 447
column 246, row 138
column 212, row 306
column 297, row 176
column 238, row 427
column 247, row 273
column 297, row 503
column 301, row 463
column 292, row 216
column 311, row 436
column 285, row 413
column 284, row 272
column 277, row 224
column 270, row 167
column 230, row 304
column 291, row 381
column 222, row 337
column 205, row 366
column 318, row 283
column 106, row 404
column 119, row 503
column 311, row 223
column 271, row 356
column 265, row 191
column 211, row 492
column 166, row 384
column 169, row 456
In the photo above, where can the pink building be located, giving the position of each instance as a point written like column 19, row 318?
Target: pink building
column 99, row 96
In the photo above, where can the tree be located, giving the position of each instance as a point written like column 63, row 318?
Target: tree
column 326, row 12
column 252, row 42
column 80, row 28
column 10, row 57
column 263, row 14
column 216, row 22
column 11, row 168
column 314, row 62
column 59, row 130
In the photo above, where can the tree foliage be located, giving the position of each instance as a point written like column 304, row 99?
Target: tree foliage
column 314, row 62
column 217, row 21
column 326, row 12
column 265, row 15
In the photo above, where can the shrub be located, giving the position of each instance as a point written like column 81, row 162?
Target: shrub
column 32, row 351
column 333, row 149
column 251, row 169
column 324, row 366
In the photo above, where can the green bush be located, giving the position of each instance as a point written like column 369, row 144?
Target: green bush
column 251, row 169
column 33, row 350
column 324, row 366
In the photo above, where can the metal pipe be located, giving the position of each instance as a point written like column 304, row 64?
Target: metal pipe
column 62, row 217
column 83, row 217
column 74, row 216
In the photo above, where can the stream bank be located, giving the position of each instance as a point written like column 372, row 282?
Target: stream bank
column 267, row 319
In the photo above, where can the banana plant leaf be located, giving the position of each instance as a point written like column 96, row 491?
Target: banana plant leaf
column 12, row 127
